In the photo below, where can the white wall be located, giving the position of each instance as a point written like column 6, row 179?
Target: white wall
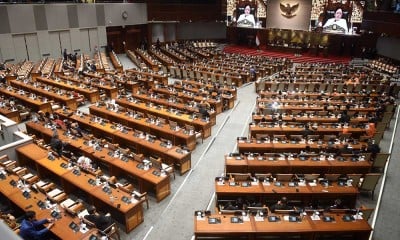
column 56, row 32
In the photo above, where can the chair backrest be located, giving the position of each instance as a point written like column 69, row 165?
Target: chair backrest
column 380, row 160
column 284, row 177
column 370, row 181
column 111, row 232
column 356, row 178
column 311, row 177
column 367, row 212
column 332, row 177
column 240, row 176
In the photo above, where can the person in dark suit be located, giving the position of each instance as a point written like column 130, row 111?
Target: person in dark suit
column 99, row 220
column 32, row 229
column 345, row 118
column 281, row 205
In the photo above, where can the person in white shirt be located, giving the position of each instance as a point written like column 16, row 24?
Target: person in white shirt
column 246, row 19
column 84, row 162
column 336, row 24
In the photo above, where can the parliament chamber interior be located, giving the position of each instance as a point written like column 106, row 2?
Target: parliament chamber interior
column 199, row 119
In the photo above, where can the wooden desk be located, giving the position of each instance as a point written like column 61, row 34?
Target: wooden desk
column 91, row 94
column 260, row 228
column 147, row 180
column 182, row 119
column 177, row 137
column 131, row 215
column 279, row 147
column 311, row 165
column 69, row 102
column 10, row 114
column 60, row 228
column 34, row 104
column 267, row 192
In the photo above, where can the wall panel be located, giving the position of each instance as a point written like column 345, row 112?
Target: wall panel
column 65, row 40
column 93, row 39
column 7, row 47
column 21, row 18
column 57, row 16
column 32, row 45
column 55, row 46
column 84, row 37
column 20, row 47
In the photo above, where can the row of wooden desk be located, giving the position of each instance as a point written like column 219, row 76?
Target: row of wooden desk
column 67, row 101
column 129, row 214
column 34, row 104
column 147, row 181
column 182, row 119
column 256, row 146
column 323, row 129
column 311, row 164
column 306, row 193
column 171, row 155
column 91, row 94
column 60, row 228
column 306, row 118
column 177, row 136
column 218, row 226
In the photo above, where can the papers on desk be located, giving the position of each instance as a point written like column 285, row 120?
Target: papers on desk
column 302, row 184
column 246, row 219
column 357, row 217
column 315, row 218
column 254, row 183
column 266, row 183
column 219, row 183
column 67, row 203
column 54, row 193
column 27, row 176
column 259, row 219
column 312, row 184
column 83, row 213
column 83, row 228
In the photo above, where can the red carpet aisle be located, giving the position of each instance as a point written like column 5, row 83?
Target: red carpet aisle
column 305, row 58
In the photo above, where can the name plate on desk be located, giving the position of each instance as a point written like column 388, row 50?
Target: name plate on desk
column 273, row 219
column 328, row 219
column 214, row 220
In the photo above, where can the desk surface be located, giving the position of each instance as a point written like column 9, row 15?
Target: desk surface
column 253, row 228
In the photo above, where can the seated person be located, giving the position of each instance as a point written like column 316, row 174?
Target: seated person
column 246, row 19
column 100, row 221
column 338, row 204
column 204, row 113
column 281, row 205
column 32, row 229
column 84, row 162
column 56, row 144
column 337, row 23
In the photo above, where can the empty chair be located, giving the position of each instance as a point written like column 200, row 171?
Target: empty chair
column 56, row 195
column 262, row 176
column 240, row 176
column 311, row 177
column 283, row 177
column 380, row 161
column 367, row 212
column 332, row 177
column 355, row 179
column 111, row 232
column 369, row 183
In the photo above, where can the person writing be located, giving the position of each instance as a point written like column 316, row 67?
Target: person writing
column 337, row 23
column 246, row 19
column 32, row 229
